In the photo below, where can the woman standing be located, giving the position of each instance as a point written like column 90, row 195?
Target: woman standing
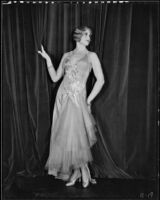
column 73, row 126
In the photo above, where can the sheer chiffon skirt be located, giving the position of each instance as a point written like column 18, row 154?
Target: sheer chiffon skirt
column 72, row 135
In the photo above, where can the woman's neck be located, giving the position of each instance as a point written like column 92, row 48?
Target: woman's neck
column 80, row 48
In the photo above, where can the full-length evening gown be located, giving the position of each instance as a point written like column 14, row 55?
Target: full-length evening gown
column 73, row 126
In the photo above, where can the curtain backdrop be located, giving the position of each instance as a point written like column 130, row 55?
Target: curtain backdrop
column 125, row 39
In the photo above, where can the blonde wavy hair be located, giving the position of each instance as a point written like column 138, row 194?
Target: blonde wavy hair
column 78, row 32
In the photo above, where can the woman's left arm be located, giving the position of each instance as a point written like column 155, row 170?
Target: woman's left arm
column 96, row 65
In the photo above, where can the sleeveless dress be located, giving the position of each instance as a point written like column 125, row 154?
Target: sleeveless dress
column 73, row 126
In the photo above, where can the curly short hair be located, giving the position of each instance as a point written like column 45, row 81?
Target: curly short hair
column 78, row 32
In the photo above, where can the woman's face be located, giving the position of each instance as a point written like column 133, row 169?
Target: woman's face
column 86, row 37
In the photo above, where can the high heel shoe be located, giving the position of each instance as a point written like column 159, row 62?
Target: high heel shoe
column 87, row 176
column 85, row 183
column 93, row 181
column 73, row 179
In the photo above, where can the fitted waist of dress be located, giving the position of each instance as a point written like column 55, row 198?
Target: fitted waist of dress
column 75, row 90
column 75, row 86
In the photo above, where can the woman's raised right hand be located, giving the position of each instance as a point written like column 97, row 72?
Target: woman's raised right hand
column 43, row 53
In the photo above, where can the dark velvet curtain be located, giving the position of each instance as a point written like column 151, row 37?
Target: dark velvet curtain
column 125, row 39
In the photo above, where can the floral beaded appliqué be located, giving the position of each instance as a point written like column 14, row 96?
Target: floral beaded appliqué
column 75, row 84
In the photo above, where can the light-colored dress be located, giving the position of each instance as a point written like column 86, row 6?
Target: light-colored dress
column 73, row 126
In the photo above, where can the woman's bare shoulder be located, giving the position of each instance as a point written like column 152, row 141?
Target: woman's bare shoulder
column 92, row 54
column 67, row 53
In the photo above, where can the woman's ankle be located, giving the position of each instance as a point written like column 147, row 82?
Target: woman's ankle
column 75, row 173
column 85, row 175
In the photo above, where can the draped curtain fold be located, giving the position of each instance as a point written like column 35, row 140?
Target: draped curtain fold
column 125, row 39
column 116, row 67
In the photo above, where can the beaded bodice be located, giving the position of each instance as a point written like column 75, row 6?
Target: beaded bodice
column 76, row 74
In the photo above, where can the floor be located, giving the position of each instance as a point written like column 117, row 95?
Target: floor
column 47, row 187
